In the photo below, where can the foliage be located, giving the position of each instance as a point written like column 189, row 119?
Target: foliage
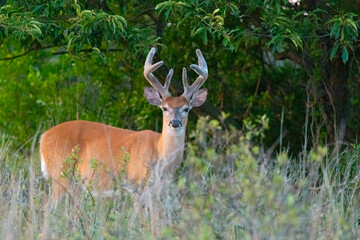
column 66, row 59
column 345, row 30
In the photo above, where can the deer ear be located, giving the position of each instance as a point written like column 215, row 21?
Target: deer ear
column 152, row 96
column 198, row 98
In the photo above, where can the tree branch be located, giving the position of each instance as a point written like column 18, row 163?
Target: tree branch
column 89, row 50
column 27, row 52
column 144, row 12
column 56, row 53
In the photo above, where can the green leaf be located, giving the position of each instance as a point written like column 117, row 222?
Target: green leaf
column 37, row 23
column 37, row 8
column 96, row 50
column 351, row 23
column 69, row 44
column 202, row 31
column 204, row 38
column 296, row 40
column 216, row 11
column 36, row 30
column 335, row 30
column 7, row 7
column 77, row 7
column 199, row 30
column 345, row 55
column 113, row 25
column 225, row 42
column 160, row 5
column 122, row 20
column 167, row 13
column 334, row 50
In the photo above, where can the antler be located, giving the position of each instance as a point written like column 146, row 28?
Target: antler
column 200, row 69
column 148, row 73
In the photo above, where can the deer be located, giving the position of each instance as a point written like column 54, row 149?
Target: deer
column 117, row 149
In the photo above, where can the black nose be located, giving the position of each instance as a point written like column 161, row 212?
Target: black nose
column 175, row 123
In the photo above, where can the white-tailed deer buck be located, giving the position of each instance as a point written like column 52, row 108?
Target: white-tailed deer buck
column 117, row 149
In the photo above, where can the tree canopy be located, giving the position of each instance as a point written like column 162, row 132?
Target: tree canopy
column 296, row 63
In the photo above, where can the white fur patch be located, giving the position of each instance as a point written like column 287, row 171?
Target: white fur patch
column 176, row 131
column 43, row 166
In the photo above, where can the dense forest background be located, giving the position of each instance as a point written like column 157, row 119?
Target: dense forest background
column 272, row 154
column 295, row 63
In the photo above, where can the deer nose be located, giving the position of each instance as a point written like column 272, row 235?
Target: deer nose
column 175, row 123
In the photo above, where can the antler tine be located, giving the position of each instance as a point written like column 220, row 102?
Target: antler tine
column 149, row 68
column 201, row 70
column 185, row 82
column 167, row 80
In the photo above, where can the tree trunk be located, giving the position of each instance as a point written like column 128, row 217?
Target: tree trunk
column 335, row 101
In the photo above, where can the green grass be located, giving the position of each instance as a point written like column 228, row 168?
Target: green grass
column 226, row 188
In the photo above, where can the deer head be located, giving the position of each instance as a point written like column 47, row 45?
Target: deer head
column 175, row 109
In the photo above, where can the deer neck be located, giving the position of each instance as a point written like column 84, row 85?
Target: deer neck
column 171, row 144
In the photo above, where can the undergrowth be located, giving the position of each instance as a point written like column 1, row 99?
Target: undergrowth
column 226, row 188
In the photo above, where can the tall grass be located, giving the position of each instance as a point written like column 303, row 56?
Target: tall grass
column 226, row 188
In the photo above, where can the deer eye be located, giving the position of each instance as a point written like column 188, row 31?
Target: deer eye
column 164, row 109
column 186, row 109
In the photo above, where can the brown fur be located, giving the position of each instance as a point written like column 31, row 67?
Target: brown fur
column 109, row 146
column 174, row 102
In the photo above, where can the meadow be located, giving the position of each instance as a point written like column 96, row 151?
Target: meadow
column 226, row 188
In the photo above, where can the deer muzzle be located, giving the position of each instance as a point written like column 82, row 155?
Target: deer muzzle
column 176, row 123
